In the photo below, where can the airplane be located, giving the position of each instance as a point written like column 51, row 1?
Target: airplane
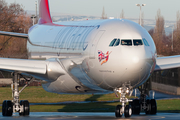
column 87, row 57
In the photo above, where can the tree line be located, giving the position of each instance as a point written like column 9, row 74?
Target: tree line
column 13, row 19
column 166, row 45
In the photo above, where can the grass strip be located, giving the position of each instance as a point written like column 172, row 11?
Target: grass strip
column 39, row 95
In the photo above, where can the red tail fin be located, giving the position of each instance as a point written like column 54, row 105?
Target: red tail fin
column 44, row 12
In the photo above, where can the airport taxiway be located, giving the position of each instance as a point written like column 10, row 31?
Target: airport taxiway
column 95, row 115
column 90, row 116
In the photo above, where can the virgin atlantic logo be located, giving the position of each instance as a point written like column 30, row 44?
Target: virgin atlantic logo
column 103, row 58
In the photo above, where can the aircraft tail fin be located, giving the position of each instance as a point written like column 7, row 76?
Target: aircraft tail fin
column 44, row 12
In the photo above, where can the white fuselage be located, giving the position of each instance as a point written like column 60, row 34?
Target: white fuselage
column 87, row 44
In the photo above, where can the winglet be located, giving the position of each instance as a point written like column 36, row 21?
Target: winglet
column 44, row 12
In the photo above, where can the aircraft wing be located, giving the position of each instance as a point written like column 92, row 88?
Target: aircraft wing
column 13, row 34
column 25, row 66
column 170, row 62
column 40, row 68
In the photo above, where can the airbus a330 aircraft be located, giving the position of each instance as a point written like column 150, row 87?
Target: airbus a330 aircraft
column 92, row 56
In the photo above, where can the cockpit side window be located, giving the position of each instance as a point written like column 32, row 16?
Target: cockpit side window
column 137, row 42
column 126, row 42
column 117, row 42
column 112, row 42
column 145, row 42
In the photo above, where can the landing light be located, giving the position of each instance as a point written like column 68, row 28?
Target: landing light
column 135, row 59
column 49, row 69
column 127, row 91
column 120, row 90
column 72, row 63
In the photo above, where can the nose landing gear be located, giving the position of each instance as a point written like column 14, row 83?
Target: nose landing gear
column 123, row 109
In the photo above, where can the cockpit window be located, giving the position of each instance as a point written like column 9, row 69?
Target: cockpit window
column 137, row 42
column 112, row 42
column 117, row 42
column 145, row 42
column 126, row 42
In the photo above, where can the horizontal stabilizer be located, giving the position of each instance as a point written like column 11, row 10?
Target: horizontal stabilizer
column 170, row 62
column 20, row 35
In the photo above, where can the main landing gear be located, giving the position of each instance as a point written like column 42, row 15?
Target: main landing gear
column 8, row 106
column 149, row 106
column 135, row 106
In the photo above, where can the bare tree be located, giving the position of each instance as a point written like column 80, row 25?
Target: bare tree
column 159, row 33
column 151, row 31
column 104, row 15
column 13, row 19
column 122, row 14
column 178, row 20
column 176, row 35
column 164, row 42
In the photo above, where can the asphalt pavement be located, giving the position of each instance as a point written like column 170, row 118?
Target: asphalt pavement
column 90, row 116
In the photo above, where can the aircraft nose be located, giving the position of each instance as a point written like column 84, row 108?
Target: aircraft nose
column 130, row 66
column 136, row 64
column 133, row 59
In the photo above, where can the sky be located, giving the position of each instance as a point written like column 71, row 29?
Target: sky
column 113, row 8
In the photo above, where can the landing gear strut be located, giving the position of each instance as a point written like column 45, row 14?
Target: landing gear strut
column 13, row 106
column 123, row 109
column 149, row 106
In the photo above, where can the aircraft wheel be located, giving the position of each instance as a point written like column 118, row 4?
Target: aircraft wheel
column 148, row 110
column 136, row 107
column 153, row 106
column 128, row 111
column 118, row 111
column 7, row 108
column 25, row 105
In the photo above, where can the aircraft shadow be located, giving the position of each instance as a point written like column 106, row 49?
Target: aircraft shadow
column 90, row 105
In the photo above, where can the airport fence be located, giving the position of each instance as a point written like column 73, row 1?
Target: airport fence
column 167, row 77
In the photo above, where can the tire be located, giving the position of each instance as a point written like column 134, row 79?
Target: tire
column 153, row 106
column 21, row 113
column 132, row 106
column 128, row 111
column 136, row 107
column 7, row 108
column 148, row 110
column 131, row 103
column 25, row 105
column 4, row 110
column 118, row 111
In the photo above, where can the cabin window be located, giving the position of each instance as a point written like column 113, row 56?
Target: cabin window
column 112, row 42
column 117, row 42
column 126, row 42
column 145, row 42
column 137, row 42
